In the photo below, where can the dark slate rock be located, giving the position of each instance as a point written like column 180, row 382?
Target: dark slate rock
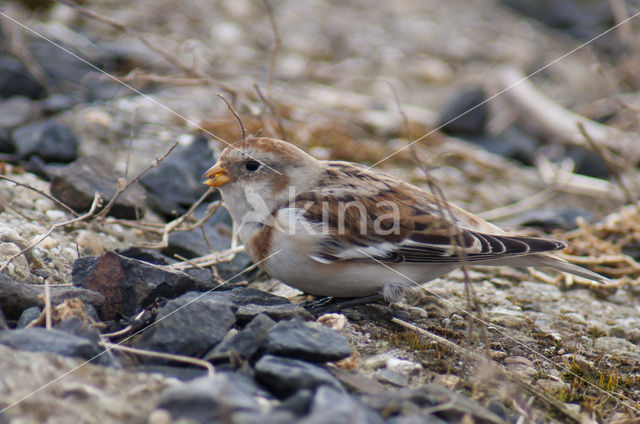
column 57, row 103
column 128, row 285
column 52, row 141
column 452, row 406
column 77, row 184
column 189, row 325
column 177, row 183
column 308, row 341
column 580, row 19
column 588, row 162
column 551, row 219
column 16, row 111
column 16, row 297
column 179, row 372
column 27, row 316
column 457, row 117
column 72, row 76
column 74, row 325
column 248, row 296
column 15, row 80
column 285, row 376
column 6, row 144
column 54, row 341
column 260, row 325
column 3, row 322
column 333, row 406
column 211, row 400
column 511, row 143
column 299, row 403
column 277, row 312
column 244, row 344
column 145, row 255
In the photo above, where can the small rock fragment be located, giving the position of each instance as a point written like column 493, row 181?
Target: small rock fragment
column 285, row 376
column 76, row 185
column 54, row 341
column 332, row 406
column 50, row 140
column 208, row 400
column 309, row 341
column 189, row 325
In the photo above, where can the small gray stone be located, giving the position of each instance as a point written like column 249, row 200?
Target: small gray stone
column 284, row 376
column 393, row 377
column 54, row 341
column 333, row 406
column 27, row 316
column 207, row 400
column 16, row 111
column 187, row 326
column 278, row 312
column 50, row 140
column 309, row 341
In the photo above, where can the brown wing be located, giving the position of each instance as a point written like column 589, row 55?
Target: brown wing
column 372, row 215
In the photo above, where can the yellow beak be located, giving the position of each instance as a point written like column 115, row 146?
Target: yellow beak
column 216, row 176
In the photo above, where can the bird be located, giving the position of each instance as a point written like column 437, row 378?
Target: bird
column 339, row 229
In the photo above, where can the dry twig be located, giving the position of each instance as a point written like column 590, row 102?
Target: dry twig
column 169, row 57
column 123, row 184
column 243, row 132
column 276, row 45
column 170, row 356
column 42, row 193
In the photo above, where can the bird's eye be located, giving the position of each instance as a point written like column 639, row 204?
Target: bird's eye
column 252, row 165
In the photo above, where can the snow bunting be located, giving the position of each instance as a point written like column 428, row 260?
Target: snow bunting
column 339, row 229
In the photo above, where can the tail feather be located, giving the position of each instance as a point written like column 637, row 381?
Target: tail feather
column 550, row 261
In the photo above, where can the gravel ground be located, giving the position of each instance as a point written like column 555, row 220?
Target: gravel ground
column 332, row 86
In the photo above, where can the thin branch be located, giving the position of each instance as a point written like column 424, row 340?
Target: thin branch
column 97, row 200
column 276, row 46
column 170, row 356
column 243, row 132
column 47, row 304
column 123, row 185
column 272, row 108
column 42, row 193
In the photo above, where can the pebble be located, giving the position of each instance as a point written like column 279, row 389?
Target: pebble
column 16, row 111
column 285, row 376
column 89, row 242
column 195, row 323
column 617, row 346
column 554, row 387
column 393, row 377
column 334, row 321
column 56, row 215
column 47, row 243
column 244, row 343
column 521, row 366
column 308, row 341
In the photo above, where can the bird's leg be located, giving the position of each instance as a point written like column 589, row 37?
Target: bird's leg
column 329, row 304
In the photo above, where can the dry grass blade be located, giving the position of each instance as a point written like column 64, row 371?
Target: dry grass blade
column 276, row 45
column 170, row 356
